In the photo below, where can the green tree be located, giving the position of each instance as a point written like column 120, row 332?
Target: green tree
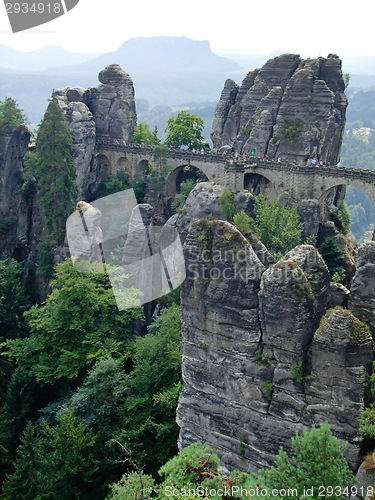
column 346, row 77
column 342, row 217
column 180, row 198
column 142, row 134
column 334, row 257
column 242, row 222
column 148, row 423
column 226, row 204
column 318, row 463
column 278, row 227
column 184, row 130
column 24, row 482
column 68, row 465
column 78, row 325
column 55, row 171
column 13, row 301
column 11, row 114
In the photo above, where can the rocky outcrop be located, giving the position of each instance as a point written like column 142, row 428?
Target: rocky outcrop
column 204, row 202
column 255, row 371
column 112, row 104
column 362, row 292
column 15, row 214
column 106, row 112
column 291, row 108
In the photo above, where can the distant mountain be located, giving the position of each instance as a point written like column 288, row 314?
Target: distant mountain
column 162, row 55
column 40, row 59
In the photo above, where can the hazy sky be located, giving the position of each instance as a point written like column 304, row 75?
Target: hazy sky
column 307, row 28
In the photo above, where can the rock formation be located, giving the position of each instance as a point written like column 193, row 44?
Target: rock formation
column 103, row 113
column 291, row 108
column 15, row 215
column 256, row 363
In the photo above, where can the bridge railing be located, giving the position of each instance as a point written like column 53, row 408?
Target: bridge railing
column 247, row 163
column 321, row 170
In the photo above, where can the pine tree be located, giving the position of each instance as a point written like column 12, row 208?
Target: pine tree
column 11, row 114
column 23, row 484
column 55, row 170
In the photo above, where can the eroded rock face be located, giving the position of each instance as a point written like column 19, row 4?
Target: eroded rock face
column 112, row 104
column 106, row 112
column 362, row 292
column 286, row 89
column 14, row 212
column 248, row 343
column 338, row 387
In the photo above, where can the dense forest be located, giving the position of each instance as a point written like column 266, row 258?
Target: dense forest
column 88, row 393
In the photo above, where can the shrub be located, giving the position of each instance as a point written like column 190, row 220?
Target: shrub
column 44, row 259
column 292, row 129
column 267, row 387
column 180, row 198
column 242, row 222
column 343, row 218
column 298, row 371
column 6, row 224
column 334, row 258
column 227, row 207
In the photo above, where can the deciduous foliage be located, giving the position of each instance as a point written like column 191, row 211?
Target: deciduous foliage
column 77, row 325
column 179, row 199
column 278, row 227
column 227, row 207
column 184, row 130
column 242, row 222
column 55, row 170
column 148, row 424
column 142, row 134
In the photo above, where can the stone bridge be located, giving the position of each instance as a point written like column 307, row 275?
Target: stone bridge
column 272, row 178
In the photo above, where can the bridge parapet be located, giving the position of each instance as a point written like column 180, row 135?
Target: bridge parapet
column 321, row 170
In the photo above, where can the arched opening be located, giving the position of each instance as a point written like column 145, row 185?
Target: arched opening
column 142, row 167
column 182, row 174
column 103, row 167
column 258, row 184
column 362, row 212
column 124, row 164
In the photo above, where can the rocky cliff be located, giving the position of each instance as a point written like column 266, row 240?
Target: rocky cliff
column 291, row 108
column 262, row 357
column 15, row 215
column 106, row 112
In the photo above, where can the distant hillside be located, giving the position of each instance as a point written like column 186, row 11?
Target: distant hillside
column 162, row 55
column 40, row 59
column 165, row 70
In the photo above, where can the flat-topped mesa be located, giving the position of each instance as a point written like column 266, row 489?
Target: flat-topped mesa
column 291, row 108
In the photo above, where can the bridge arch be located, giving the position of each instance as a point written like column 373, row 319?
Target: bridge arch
column 141, row 167
column 335, row 193
column 182, row 173
column 103, row 164
column 259, row 183
column 124, row 164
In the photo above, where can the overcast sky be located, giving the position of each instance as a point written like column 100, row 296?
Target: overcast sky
column 307, row 28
